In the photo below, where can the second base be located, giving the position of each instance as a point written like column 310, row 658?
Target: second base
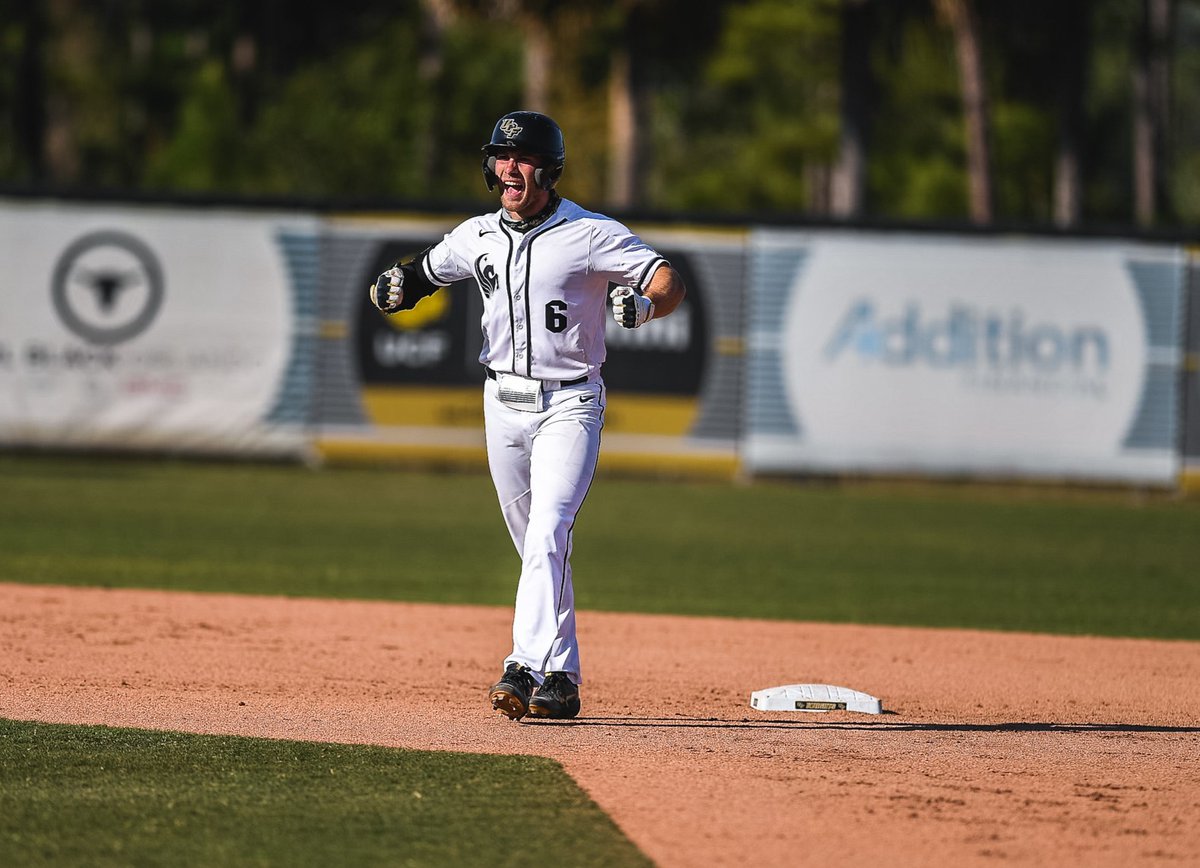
column 814, row 697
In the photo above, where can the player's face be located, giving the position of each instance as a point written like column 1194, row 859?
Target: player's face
column 519, row 193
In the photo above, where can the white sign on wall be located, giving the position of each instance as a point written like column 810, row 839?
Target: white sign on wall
column 138, row 327
column 951, row 355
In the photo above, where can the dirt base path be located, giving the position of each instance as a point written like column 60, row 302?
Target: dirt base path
column 1005, row 748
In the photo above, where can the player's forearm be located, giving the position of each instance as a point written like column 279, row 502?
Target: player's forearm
column 666, row 290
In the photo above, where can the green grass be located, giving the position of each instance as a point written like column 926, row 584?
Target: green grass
column 116, row 797
column 1111, row 563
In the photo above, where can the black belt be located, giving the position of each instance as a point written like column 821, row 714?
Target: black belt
column 491, row 375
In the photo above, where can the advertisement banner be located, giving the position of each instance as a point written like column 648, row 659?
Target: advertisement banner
column 147, row 328
column 986, row 356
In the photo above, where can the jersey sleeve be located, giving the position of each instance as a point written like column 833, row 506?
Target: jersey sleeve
column 450, row 259
column 624, row 258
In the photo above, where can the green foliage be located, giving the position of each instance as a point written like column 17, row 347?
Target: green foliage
column 204, row 153
column 1184, row 143
column 481, row 82
column 12, row 41
column 1109, row 186
column 762, row 117
column 939, row 556
column 739, row 100
column 347, row 125
column 113, row 797
column 363, row 122
column 916, row 169
column 1023, row 160
column 1187, row 187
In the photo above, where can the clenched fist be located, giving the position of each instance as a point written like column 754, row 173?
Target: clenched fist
column 630, row 309
column 388, row 292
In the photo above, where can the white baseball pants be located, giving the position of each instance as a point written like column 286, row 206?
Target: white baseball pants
column 542, row 464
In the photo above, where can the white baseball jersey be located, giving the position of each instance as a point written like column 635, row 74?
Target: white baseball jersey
column 545, row 291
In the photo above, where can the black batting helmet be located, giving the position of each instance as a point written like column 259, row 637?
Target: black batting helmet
column 534, row 133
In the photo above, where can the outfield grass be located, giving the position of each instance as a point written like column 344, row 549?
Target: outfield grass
column 1112, row 563
column 116, row 797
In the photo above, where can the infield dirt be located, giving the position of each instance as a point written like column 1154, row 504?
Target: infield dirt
column 994, row 747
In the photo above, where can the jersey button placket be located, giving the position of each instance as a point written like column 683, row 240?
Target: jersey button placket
column 518, row 309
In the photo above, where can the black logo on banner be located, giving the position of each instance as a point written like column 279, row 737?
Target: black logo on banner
column 107, row 287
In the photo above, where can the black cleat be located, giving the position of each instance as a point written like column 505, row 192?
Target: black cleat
column 510, row 695
column 556, row 699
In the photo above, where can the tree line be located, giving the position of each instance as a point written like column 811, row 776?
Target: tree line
column 1072, row 113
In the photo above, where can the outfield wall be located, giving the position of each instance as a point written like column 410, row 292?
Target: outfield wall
column 900, row 353
column 237, row 331
column 148, row 328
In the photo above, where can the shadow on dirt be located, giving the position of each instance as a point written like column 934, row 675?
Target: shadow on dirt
column 875, row 726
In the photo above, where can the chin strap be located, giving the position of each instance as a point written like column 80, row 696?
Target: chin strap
column 537, row 219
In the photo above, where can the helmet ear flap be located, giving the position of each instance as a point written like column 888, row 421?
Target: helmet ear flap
column 548, row 176
column 489, row 172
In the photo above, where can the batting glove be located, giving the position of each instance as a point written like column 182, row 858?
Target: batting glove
column 630, row 309
column 388, row 292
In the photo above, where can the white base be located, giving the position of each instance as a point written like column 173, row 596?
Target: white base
column 814, row 697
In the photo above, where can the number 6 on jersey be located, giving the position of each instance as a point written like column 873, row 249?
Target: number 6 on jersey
column 556, row 316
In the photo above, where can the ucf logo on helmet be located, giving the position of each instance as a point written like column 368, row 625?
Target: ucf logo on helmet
column 510, row 128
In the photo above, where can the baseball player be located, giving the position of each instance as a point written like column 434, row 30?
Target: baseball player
column 546, row 269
